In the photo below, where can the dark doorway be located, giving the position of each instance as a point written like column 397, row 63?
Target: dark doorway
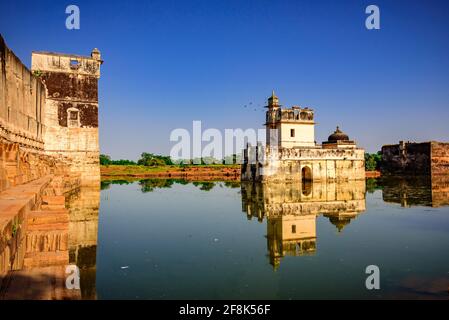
column 306, row 181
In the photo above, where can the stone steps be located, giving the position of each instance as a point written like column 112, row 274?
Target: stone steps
column 45, row 259
column 47, row 217
column 44, row 241
column 53, row 203
column 15, row 204
column 47, row 238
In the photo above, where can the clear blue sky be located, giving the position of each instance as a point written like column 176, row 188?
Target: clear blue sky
column 170, row 62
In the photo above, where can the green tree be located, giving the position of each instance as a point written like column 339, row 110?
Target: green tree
column 373, row 161
column 153, row 160
column 105, row 159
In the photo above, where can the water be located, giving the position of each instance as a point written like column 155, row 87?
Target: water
column 168, row 239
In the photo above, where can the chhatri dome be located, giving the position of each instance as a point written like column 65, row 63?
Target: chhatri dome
column 338, row 135
column 273, row 100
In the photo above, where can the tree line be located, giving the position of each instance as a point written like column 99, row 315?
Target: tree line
column 156, row 160
column 372, row 160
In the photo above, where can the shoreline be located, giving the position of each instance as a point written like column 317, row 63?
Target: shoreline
column 191, row 173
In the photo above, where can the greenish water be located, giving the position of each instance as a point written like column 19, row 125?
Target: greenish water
column 167, row 239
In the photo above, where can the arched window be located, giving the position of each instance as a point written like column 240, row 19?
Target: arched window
column 306, row 173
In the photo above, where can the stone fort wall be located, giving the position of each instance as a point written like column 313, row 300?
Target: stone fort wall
column 22, row 109
column 426, row 158
column 45, row 152
column 22, row 102
column 72, row 110
column 37, row 132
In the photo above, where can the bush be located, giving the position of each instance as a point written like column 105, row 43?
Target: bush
column 153, row 160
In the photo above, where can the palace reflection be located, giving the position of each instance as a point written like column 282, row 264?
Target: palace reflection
column 429, row 190
column 291, row 210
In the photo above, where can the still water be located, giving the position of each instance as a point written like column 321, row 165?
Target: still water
column 170, row 239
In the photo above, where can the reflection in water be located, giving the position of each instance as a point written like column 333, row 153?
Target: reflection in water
column 56, row 237
column 291, row 210
column 411, row 191
column 184, row 240
column 149, row 185
column 83, row 207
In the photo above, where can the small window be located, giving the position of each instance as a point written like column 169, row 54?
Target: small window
column 74, row 64
column 73, row 118
column 292, row 133
column 73, row 115
column 293, row 228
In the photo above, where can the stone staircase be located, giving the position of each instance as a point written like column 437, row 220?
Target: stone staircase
column 35, row 226
column 46, row 241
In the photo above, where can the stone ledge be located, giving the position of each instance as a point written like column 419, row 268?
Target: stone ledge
column 20, row 199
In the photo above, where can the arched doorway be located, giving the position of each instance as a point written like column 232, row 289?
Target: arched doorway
column 306, row 180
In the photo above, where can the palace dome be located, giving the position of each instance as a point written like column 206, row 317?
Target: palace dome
column 338, row 135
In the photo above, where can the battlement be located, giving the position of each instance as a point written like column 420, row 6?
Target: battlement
column 43, row 61
column 295, row 114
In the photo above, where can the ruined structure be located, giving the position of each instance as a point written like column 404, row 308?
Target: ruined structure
column 425, row 158
column 48, row 148
column 71, row 115
column 291, row 153
column 291, row 209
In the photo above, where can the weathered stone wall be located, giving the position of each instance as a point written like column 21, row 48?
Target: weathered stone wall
column 19, row 166
column 412, row 158
column 22, row 102
column 286, row 164
column 28, row 173
column 25, row 112
column 439, row 162
column 416, row 158
column 72, row 110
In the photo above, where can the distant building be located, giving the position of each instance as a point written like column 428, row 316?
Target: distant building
column 425, row 158
column 291, row 152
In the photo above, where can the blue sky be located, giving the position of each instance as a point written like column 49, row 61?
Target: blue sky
column 170, row 62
